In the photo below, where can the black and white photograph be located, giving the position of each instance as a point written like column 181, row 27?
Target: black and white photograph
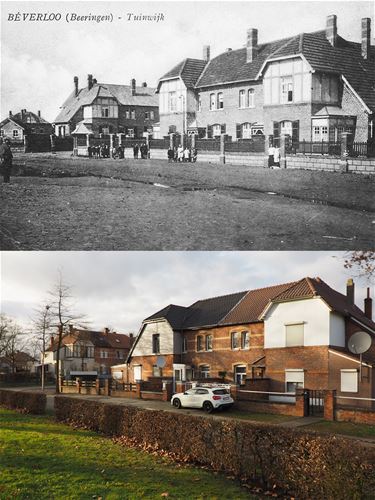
column 187, row 250
column 187, row 126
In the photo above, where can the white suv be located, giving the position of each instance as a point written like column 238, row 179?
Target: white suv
column 201, row 397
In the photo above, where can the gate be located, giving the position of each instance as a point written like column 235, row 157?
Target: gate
column 316, row 403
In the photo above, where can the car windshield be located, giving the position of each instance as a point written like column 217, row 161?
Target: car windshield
column 220, row 391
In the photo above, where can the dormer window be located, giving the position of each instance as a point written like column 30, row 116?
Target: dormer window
column 287, row 89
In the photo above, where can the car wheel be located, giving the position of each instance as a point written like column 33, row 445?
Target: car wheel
column 207, row 406
column 177, row 403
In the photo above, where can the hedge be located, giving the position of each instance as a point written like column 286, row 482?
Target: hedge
column 27, row 402
column 300, row 464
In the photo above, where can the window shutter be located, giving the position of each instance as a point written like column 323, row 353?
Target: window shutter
column 295, row 131
column 238, row 130
column 276, row 130
column 209, row 131
column 223, row 128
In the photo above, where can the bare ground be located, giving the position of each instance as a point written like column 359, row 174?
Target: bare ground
column 63, row 203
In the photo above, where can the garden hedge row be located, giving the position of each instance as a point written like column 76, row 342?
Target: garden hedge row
column 301, row 464
column 27, row 402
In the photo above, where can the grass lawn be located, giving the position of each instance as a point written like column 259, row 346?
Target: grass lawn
column 40, row 459
column 345, row 428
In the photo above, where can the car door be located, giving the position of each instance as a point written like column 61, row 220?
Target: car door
column 201, row 396
column 191, row 399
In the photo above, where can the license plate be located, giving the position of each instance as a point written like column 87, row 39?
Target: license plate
column 226, row 397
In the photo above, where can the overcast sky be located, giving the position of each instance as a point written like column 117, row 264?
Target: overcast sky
column 120, row 289
column 40, row 59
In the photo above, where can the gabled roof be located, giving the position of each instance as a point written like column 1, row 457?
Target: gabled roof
column 26, row 120
column 344, row 59
column 188, row 70
column 98, row 339
column 173, row 314
column 144, row 96
column 313, row 287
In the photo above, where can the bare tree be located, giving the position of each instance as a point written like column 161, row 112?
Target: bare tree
column 62, row 315
column 10, row 340
column 361, row 263
column 42, row 326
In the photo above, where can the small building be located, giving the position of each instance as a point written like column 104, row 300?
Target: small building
column 101, row 108
column 17, row 362
column 25, row 123
column 88, row 354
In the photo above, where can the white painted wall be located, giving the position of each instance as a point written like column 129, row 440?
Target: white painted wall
column 337, row 330
column 314, row 313
column 175, row 85
column 144, row 344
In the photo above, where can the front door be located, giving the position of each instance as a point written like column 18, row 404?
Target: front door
column 137, row 372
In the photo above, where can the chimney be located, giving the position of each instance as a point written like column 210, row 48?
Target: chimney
column 131, row 335
column 106, row 331
column 331, row 30
column 350, row 290
column 22, row 114
column 75, row 79
column 206, row 53
column 89, row 82
column 251, row 44
column 39, row 116
column 368, row 305
column 366, row 37
column 229, row 49
column 144, row 84
column 71, row 329
column 133, row 84
column 10, row 114
column 94, row 81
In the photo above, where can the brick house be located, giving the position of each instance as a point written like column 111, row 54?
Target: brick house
column 86, row 353
column 289, row 335
column 101, row 108
column 312, row 86
column 16, row 127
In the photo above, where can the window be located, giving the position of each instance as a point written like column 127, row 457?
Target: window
column 199, row 103
column 147, row 115
column 119, row 354
column 286, row 127
column 152, row 115
column 287, row 89
column 204, row 371
column 105, row 112
column 90, row 352
column 157, row 371
column 184, row 344
column 294, row 335
column 294, row 379
column 2, row 133
column 104, row 354
column 250, row 98
column 208, row 342
column 172, row 101
column 201, row 391
column 130, row 132
column 242, row 99
column 212, row 102
column 132, row 114
column 240, row 374
column 245, row 340
column 246, row 130
column 220, row 101
column 349, row 381
column 216, row 130
column 235, row 340
column 156, row 343
column 127, row 114
column 199, row 343
column 15, row 133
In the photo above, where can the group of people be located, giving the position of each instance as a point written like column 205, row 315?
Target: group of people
column 143, row 149
column 99, row 151
column 182, row 154
column 273, row 156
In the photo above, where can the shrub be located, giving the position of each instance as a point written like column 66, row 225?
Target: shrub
column 306, row 465
column 27, row 402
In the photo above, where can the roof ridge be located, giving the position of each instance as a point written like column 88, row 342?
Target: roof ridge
column 235, row 305
column 289, row 41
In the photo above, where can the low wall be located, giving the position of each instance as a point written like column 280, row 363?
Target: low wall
column 355, row 415
column 331, row 164
column 124, row 394
column 256, row 406
column 289, row 461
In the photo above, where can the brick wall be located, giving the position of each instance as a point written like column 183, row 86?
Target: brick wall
column 231, row 114
column 301, row 112
column 356, row 416
column 352, row 107
column 332, row 164
column 148, row 362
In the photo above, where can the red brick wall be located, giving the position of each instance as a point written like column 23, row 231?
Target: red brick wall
column 148, row 362
column 222, row 357
column 356, row 416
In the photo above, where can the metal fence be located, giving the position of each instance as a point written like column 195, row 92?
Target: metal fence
column 159, row 143
column 122, row 386
column 309, row 147
column 246, row 146
column 208, row 144
column 366, row 149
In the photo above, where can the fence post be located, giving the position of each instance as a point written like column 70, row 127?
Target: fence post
column 302, row 395
column 25, row 143
column 171, row 140
column 344, row 152
column 52, row 138
column 222, row 148
column 192, row 141
column 283, row 139
column 79, row 385
column 97, row 386
column 329, row 404
column 75, row 145
column 106, row 387
column 60, row 385
column 138, row 389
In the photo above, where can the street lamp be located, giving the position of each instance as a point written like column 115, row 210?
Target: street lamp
column 45, row 314
column 184, row 119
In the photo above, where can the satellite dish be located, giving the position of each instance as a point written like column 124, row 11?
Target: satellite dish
column 359, row 342
column 160, row 362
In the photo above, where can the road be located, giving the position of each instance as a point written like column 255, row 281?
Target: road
column 68, row 204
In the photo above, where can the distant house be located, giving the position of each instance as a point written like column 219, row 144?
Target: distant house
column 25, row 123
column 102, row 108
column 86, row 353
column 291, row 335
column 18, row 362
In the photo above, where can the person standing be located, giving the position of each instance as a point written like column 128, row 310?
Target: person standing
column 6, row 158
column 276, row 157
column 135, row 151
column 271, row 153
column 180, row 153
